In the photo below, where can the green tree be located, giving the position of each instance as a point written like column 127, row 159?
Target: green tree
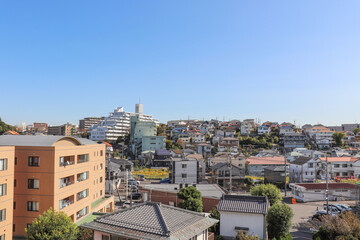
column 279, row 220
column 338, row 138
column 356, row 131
column 271, row 191
column 191, row 199
column 52, row 225
column 245, row 236
column 216, row 215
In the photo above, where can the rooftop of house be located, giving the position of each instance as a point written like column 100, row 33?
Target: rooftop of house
column 152, row 221
column 276, row 160
column 301, row 160
column 244, row 204
column 340, row 159
column 40, row 140
column 207, row 190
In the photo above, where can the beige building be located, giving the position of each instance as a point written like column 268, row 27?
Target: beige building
column 6, row 192
column 64, row 173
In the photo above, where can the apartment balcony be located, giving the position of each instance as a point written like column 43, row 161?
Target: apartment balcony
column 64, row 182
column 63, row 203
column 66, row 161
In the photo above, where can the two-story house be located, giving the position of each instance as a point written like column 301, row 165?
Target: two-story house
column 306, row 169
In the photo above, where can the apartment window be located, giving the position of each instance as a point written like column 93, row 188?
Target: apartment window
column 33, row 206
column 344, row 165
column 2, row 237
column 100, row 179
column 101, row 152
column 3, row 215
column 82, row 212
column 14, row 205
column 83, row 158
column 100, row 192
column 34, row 161
column 101, row 166
column 184, row 165
column 82, row 194
column 184, row 175
column 14, row 182
column 3, row 189
column 16, row 161
column 13, row 227
column 3, row 164
column 336, row 165
column 83, row 176
column 33, row 183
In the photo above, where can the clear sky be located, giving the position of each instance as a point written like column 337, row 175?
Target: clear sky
column 291, row 61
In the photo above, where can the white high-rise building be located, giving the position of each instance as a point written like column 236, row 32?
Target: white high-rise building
column 117, row 124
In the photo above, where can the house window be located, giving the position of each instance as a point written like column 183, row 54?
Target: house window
column 83, row 158
column 3, row 215
column 34, row 161
column 3, row 189
column 2, row 237
column 344, row 165
column 3, row 164
column 184, row 165
column 336, row 165
column 184, row 175
column 310, row 165
column 33, row 183
column 105, row 237
column 33, row 206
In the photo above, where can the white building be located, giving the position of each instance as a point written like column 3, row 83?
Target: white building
column 263, row 129
column 313, row 192
column 187, row 171
column 306, row 169
column 247, row 126
column 117, row 124
column 240, row 213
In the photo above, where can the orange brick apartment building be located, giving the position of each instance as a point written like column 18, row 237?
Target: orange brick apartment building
column 6, row 192
column 64, row 173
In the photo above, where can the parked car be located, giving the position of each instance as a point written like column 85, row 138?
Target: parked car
column 333, row 209
column 165, row 180
column 142, row 178
column 318, row 215
column 344, row 207
column 134, row 182
column 333, row 206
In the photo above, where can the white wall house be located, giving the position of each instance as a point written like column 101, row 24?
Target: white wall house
column 243, row 214
column 306, row 169
column 263, row 129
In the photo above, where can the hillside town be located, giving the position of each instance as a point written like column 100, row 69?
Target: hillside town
column 129, row 176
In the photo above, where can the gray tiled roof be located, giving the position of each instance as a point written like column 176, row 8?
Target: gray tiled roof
column 38, row 141
column 152, row 221
column 301, row 160
column 244, row 204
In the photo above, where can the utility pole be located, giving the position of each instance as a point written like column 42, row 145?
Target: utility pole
column 327, row 186
column 126, row 184
column 230, row 169
column 284, row 152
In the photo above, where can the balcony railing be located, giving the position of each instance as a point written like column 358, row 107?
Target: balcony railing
column 64, row 203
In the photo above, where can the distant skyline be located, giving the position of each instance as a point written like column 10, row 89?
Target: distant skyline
column 271, row 60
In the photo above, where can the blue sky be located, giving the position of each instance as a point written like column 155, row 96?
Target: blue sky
column 298, row 61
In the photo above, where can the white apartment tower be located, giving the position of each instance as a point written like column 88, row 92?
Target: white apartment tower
column 117, row 124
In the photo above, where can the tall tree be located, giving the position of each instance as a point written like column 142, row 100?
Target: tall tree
column 356, row 131
column 272, row 192
column 52, row 225
column 279, row 220
column 338, row 138
column 192, row 199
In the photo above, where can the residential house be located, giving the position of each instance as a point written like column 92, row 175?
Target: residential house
column 240, row 213
column 247, row 126
column 313, row 192
column 203, row 148
column 221, row 173
column 256, row 165
column 264, row 129
column 275, row 174
column 346, row 167
column 188, row 171
column 229, row 145
column 198, row 138
column 286, row 130
column 153, row 221
column 306, row 169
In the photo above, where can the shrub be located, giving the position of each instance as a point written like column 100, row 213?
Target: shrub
column 269, row 190
column 279, row 220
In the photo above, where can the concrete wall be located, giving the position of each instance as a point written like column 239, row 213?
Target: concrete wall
column 190, row 171
column 230, row 220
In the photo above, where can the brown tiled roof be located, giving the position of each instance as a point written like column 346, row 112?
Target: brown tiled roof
column 340, row 159
column 266, row 160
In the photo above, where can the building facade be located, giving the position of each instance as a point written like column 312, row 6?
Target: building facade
column 64, row 173
column 7, row 157
column 86, row 123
